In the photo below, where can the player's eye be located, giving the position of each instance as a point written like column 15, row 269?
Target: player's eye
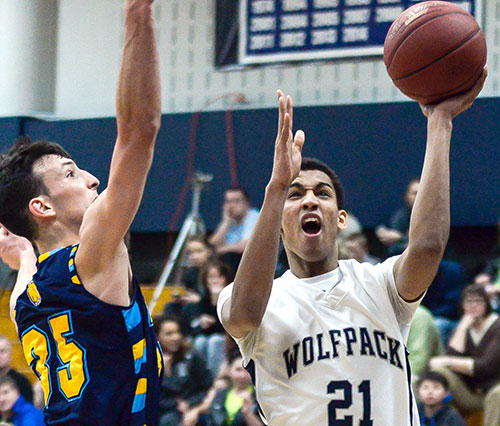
column 294, row 195
column 324, row 193
column 71, row 173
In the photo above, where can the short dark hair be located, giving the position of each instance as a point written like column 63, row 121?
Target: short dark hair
column 218, row 264
column 241, row 190
column 479, row 291
column 19, row 184
column 315, row 164
column 434, row 376
column 8, row 380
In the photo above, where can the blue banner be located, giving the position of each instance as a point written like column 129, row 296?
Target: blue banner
column 297, row 30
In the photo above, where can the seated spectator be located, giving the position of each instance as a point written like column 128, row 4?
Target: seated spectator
column 206, row 327
column 472, row 363
column 356, row 247
column 423, row 344
column 434, row 398
column 233, row 232
column 395, row 237
column 186, row 380
column 22, row 382
column 443, row 297
column 199, row 252
column 14, row 408
column 235, row 405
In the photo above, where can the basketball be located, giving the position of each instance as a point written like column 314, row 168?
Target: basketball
column 434, row 50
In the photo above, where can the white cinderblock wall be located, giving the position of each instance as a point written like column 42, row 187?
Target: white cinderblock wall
column 89, row 35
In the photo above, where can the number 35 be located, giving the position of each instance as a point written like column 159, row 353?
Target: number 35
column 346, row 387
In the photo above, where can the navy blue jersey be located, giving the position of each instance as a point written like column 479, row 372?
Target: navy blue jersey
column 98, row 364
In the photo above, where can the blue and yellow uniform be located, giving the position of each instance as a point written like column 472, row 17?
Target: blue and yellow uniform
column 98, row 364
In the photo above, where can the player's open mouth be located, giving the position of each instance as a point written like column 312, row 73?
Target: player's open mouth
column 311, row 225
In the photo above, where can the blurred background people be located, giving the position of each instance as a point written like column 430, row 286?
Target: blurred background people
column 186, row 380
column 14, row 408
column 472, row 362
column 21, row 381
column 395, row 236
column 238, row 220
column 434, row 408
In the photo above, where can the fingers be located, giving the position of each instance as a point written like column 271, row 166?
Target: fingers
column 299, row 139
column 281, row 108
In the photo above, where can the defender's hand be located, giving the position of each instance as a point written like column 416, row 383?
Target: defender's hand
column 13, row 248
column 287, row 149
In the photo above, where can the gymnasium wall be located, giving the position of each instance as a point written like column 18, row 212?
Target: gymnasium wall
column 63, row 70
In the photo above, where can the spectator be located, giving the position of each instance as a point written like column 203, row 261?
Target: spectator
column 199, row 252
column 237, row 223
column 472, row 363
column 443, row 297
column 395, row 237
column 236, row 404
column 434, row 398
column 14, row 408
column 423, row 344
column 21, row 381
column 356, row 247
column 208, row 331
column 186, row 379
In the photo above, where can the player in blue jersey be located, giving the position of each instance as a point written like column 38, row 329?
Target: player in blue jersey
column 81, row 317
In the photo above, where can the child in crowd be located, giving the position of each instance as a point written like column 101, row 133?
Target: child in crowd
column 434, row 398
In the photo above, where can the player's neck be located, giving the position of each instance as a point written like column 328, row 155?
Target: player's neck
column 55, row 239
column 304, row 269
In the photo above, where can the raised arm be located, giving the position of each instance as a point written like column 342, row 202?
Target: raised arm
column 430, row 217
column 18, row 253
column 138, row 106
column 254, row 278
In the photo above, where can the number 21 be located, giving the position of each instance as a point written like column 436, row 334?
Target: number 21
column 346, row 387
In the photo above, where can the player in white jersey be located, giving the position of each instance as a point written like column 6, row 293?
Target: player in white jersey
column 325, row 343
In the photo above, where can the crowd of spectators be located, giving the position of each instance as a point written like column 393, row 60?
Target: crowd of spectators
column 453, row 344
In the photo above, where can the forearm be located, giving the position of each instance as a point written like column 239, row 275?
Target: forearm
column 238, row 247
column 252, row 420
column 430, row 218
column 139, row 93
column 218, row 238
column 253, row 281
column 26, row 271
column 463, row 365
column 457, row 341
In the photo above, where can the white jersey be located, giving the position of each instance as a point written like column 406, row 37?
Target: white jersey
column 331, row 349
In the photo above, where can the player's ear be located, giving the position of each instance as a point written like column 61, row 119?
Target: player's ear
column 342, row 219
column 41, row 207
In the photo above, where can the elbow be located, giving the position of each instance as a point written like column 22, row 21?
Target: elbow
column 432, row 245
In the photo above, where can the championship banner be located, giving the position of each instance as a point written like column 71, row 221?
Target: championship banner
column 298, row 30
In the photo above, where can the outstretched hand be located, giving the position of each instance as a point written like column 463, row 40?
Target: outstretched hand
column 13, row 247
column 457, row 104
column 287, row 149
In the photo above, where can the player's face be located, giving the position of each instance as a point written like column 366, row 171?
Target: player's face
column 71, row 189
column 311, row 217
column 5, row 354
column 170, row 337
column 8, row 397
column 432, row 393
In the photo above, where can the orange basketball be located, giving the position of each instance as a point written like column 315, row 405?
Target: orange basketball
column 434, row 50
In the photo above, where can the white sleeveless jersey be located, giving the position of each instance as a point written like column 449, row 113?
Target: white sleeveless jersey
column 333, row 357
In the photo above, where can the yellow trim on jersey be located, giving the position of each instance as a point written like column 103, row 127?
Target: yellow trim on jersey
column 44, row 256
column 142, row 386
column 138, row 349
column 75, row 279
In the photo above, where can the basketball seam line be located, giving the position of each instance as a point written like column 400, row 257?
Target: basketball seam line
column 448, row 91
column 408, row 35
column 438, row 59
